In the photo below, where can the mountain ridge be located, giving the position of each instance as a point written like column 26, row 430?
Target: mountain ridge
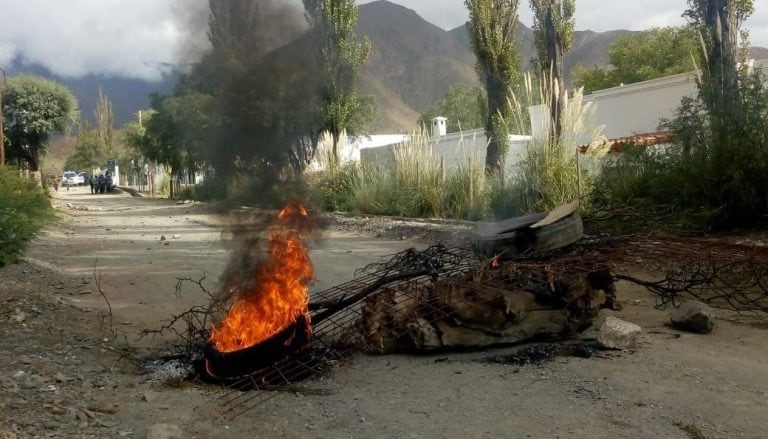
column 412, row 65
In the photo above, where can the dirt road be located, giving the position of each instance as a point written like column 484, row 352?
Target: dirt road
column 65, row 374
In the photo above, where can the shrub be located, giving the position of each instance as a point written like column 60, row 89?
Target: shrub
column 373, row 192
column 24, row 209
column 465, row 193
column 334, row 188
column 716, row 171
column 552, row 171
column 416, row 178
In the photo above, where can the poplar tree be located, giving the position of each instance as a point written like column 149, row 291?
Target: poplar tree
column 341, row 55
column 492, row 27
column 553, row 24
column 719, row 24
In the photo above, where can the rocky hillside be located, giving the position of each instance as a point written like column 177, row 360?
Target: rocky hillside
column 412, row 65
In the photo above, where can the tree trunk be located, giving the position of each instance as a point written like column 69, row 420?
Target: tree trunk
column 32, row 158
column 34, row 162
column 494, row 128
column 556, row 76
column 335, row 150
column 722, row 56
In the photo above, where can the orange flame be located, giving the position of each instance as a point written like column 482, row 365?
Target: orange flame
column 281, row 291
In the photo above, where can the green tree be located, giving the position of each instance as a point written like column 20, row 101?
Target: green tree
column 464, row 107
column 719, row 25
column 553, row 24
column 33, row 109
column 640, row 56
column 259, row 103
column 174, row 133
column 2, row 129
column 95, row 144
column 491, row 29
column 89, row 150
column 105, row 123
column 340, row 55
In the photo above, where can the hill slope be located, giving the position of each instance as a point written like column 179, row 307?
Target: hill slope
column 412, row 65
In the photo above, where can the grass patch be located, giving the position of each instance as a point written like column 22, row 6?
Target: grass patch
column 413, row 184
column 24, row 210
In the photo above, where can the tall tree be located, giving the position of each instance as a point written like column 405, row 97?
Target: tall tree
column 491, row 29
column 719, row 23
column 258, row 98
column 33, row 109
column 174, row 133
column 89, row 150
column 640, row 56
column 341, row 55
column 105, row 123
column 553, row 24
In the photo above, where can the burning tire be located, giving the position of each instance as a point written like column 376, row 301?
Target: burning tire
column 223, row 366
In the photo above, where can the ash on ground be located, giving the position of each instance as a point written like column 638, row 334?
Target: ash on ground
column 160, row 371
column 542, row 353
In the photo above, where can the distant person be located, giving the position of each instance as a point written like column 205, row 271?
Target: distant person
column 56, row 183
column 100, row 184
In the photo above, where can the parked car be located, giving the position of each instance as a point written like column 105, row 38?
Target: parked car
column 69, row 178
column 80, row 179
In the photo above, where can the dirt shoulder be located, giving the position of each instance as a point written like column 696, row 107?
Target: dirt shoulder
column 69, row 373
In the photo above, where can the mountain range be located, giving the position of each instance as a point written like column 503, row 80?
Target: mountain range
column 412, row 64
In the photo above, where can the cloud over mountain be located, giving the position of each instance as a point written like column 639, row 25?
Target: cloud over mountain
column 140, row 39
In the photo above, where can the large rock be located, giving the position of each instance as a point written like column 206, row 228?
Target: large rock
column 164, row 431
column 615, row 333
column 694, row 317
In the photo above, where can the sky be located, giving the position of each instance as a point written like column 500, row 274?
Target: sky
column 145, row 38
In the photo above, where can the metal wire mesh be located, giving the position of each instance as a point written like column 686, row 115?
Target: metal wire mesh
column 398, row 302
column 394, row 305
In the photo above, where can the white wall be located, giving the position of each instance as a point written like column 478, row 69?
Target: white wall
column 635, row 108
column 454, row 149
column 349, row 149
column 631, row 109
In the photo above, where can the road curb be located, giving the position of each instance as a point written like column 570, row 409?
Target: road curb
column 133, row 192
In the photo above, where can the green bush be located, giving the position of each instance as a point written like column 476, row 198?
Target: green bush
column 24, row 209
column 552, row 171
column 413, row 186
column 334, row 188
column 716, row 172
column 465, row 195
column 373, row 192
column 504, row 200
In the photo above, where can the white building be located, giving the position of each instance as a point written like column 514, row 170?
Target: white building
column 454, row 149
column 634, row 109
column 350, row 149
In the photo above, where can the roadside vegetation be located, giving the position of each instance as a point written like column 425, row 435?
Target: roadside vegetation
column 24, row 209
column 715, row 174
column 251, row 149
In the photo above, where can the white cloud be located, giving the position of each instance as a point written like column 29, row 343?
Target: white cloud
column 138, row 38
column 143, row 38
column 6, row 54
